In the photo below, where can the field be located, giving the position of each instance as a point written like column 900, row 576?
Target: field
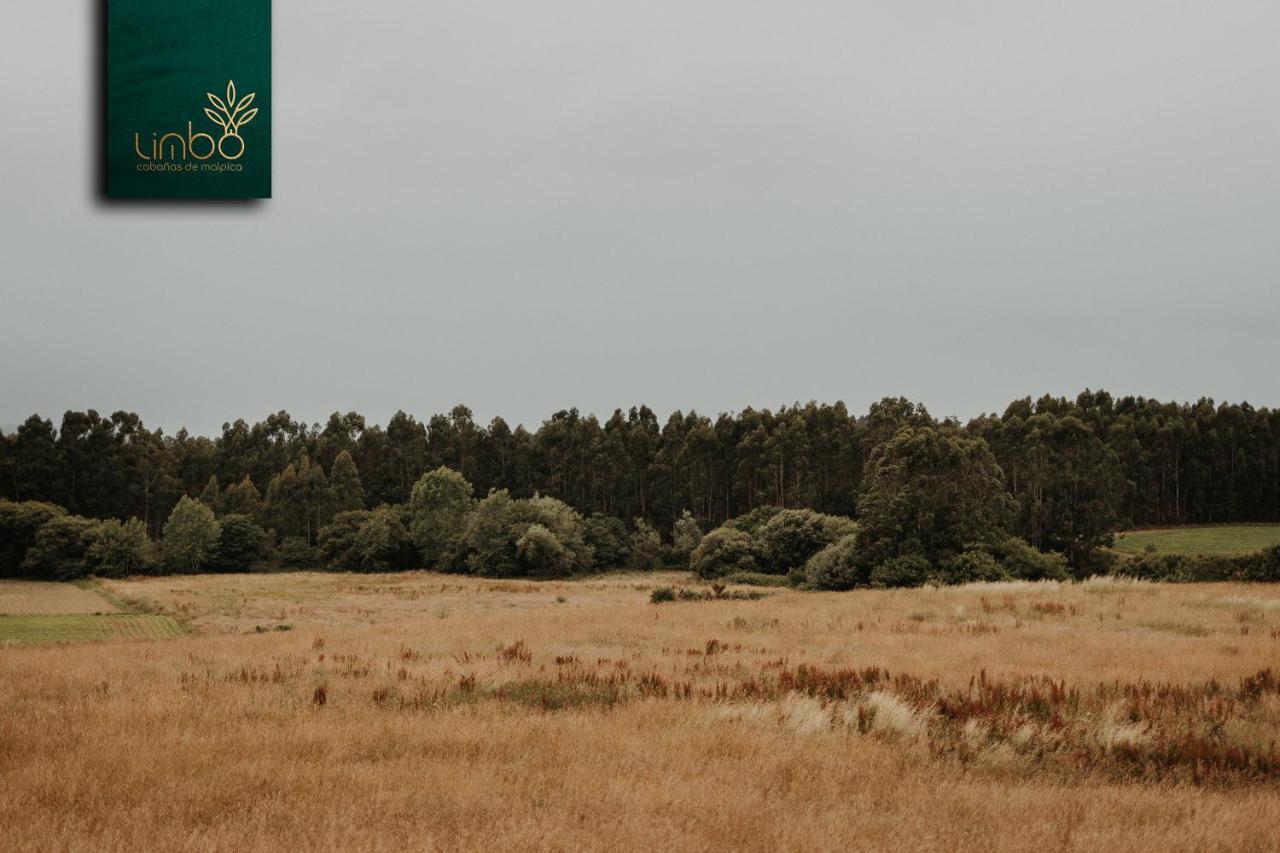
column 1208, row 539
column 38, row 612
column 424, row 711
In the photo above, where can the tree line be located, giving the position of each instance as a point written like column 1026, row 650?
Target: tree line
column 1075, row 470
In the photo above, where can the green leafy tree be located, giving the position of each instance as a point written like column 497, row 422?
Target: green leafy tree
column 298, row 500
column 242, row 498
column 438, row 508
column 367, row 540
column 685, row 536
column 190, row 535
column 60, row 549
column 119, row 549
column 487, row 541
column 607, row 537
column 646, row 551
column 344, row 483
column 212, row 495
column 242, row 544
column 932, row 492
column 19, row 523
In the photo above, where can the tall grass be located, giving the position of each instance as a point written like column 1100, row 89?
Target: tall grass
column 427, row 712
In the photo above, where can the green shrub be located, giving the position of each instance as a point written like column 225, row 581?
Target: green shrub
column 661, row 594
column 1022, row 561
column 723, row 551
column 567, row 527
column 907, row 570
column 792, row 536
column 60, row 549
column 837, row 566
column 117, row 550
column 752, row 521
column 975, row 565
column 1260, row 566
column 756, row 579
column 540, row 552
column 540, row 536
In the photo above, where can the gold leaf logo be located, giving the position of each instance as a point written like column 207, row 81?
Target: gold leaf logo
column 231, row 115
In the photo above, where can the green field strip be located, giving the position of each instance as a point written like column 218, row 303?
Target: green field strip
column 37, row 630
column 1213, row 539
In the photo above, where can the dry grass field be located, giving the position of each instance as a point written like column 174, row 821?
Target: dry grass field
column 424, row 711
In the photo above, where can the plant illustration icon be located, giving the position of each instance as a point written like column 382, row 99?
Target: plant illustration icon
column 231, row 116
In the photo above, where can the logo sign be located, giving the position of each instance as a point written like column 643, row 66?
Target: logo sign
column 202, row 147
column 163, row 139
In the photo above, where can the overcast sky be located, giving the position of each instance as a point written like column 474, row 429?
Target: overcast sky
column 531, row 206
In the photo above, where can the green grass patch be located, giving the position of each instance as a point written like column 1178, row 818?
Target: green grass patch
column 34, row 630
column 1209, row 539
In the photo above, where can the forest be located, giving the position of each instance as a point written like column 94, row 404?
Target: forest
column 1072, row 471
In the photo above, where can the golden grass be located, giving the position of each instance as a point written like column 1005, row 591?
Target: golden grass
column 47, row 598
column 426, row 711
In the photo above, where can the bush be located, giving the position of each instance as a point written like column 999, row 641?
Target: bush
column 607, row 537
column 756, row 579
column 242, row 545
column 503, row 537
column 564, row 523
column 907, row 570
column 661, row 594
column 1260, row 566
column 837, row 566
column 19, row 522
column 792, row 536
column 752, row 521
column 973, row 565
column 60, row 549
column 1020, row 560
column 723, row 551
column 540, row 552
column 646, row 547
column 295, row 553
column 117, row 550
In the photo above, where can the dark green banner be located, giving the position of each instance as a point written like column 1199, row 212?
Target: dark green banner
column 188, row 91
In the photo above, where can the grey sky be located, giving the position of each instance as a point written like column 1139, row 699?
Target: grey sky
column 530, row 206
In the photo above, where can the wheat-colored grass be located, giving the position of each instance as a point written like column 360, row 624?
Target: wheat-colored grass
column 48, row 598
column 423, row 711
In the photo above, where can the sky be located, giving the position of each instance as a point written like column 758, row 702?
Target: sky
column 526, row 207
